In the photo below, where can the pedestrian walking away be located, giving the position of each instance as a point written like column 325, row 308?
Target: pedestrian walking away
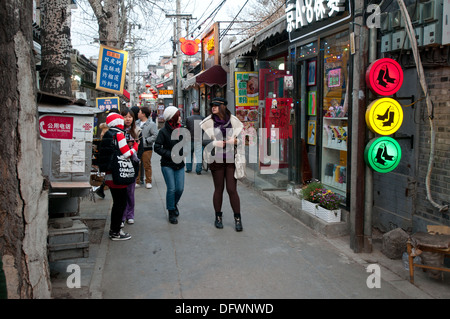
column 115, row 138
column 223, row 130
column 193, row 125
column 149, row 133
column 172, row 163
column 132, row 134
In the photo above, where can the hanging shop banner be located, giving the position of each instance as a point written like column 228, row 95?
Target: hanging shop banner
column 107, row 103
column 384, row 116
column 277, row 115
column 384, row 77
column 246, row 88
column 112, row 64
column 383, row 154
column 306, row 17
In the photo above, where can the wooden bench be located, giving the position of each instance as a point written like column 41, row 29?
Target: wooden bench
column 420, row 242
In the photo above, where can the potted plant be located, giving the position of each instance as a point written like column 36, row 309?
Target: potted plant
column 310, row 195
column 328, row 207
column 321, row 202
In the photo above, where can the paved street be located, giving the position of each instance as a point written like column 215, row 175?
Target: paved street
column 275, row 257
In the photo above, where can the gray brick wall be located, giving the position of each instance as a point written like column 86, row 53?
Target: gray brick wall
column 438, row 81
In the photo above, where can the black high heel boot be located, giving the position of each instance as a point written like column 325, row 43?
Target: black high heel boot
column 218, row 221
column 237, row 222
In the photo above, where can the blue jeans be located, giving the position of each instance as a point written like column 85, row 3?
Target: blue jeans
column 174, row 179
column 197, row 149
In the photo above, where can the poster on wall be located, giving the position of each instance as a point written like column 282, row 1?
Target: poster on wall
column 246, row 88
column 312, row 132
column 312, row 103
column 311, row 73
column 278, row 112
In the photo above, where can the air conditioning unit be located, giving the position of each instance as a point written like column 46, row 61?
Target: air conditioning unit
column 415, row 13
column 432, row 33
column 385, row 23
column 419, row 36
column 396, row 19
column 446, row 22
column 386, row 43
column 397, row 40
column 431, row 11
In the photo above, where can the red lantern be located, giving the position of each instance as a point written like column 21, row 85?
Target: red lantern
column 189, row 47
column 147, row 85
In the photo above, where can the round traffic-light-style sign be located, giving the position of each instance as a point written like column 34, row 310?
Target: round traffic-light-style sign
column 384, row 116
column 384, row 76
column 383, row 154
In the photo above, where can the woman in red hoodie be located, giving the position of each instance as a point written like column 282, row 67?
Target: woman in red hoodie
column 116, row 131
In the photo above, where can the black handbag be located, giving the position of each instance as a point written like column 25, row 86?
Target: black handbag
column 122, row 169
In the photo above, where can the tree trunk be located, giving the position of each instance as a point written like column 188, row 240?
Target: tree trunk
column 56, row 69
column 112, row 21
column 23, row 208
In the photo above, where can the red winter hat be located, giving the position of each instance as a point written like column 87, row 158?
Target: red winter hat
column 115, row 120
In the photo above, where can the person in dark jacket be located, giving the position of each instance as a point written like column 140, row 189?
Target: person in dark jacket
column 172, row 163
column 108, row 145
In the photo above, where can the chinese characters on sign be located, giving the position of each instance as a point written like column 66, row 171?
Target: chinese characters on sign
column 246, row 88
column 107, row 103
column 111, row 70
column 320, row 13
column 277, row 116
column 56, row 127
column 305, row 12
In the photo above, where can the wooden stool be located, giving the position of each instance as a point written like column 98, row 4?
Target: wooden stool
column 430, row 243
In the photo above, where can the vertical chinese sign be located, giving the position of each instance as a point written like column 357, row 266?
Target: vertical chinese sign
column 247, row 95
column 111, row 70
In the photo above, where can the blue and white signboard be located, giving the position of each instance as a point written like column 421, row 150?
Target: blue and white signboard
column 111, row 69
column 107, row 103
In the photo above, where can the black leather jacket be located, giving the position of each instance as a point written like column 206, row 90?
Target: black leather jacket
column 164, row 145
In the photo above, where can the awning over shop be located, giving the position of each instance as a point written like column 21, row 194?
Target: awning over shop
column 215, row 75
column 126, row 94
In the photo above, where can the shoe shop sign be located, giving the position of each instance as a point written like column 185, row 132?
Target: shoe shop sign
column 384, row 116
column 306, row 17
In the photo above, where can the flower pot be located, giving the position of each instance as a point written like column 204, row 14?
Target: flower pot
column 330, row 216
column 309, row 207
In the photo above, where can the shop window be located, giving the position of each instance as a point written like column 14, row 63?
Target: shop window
column 334, row 112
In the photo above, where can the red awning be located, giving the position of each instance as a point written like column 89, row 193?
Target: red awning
column 126, row 94
column 215, row 75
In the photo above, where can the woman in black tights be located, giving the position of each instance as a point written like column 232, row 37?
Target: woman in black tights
column 224, row 130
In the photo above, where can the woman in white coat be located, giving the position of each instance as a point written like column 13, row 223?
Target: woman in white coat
column 223, row 130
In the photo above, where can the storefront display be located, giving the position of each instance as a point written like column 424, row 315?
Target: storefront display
column 335, row 113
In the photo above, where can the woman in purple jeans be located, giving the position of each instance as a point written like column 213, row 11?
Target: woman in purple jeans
column 132, row 133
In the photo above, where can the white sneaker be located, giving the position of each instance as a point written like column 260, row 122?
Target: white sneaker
column 137, row 185
column 148, row 185
column 122, row 225
column 130, row 221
